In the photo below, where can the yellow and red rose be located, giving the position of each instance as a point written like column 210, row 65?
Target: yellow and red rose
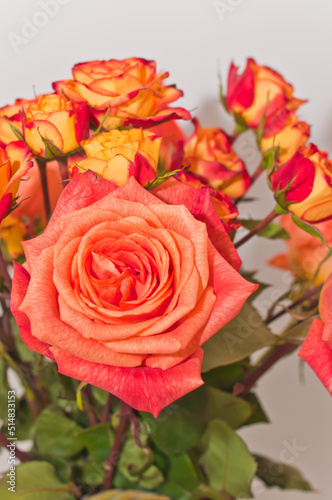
column 12, row 115
column 129, row 285
column 117, row 155
column 287, row 135
column 130, row 90
column 15, row 161
column 209, row 154
column 305, row 252
column 307, row 181
column 56, row 119
column 257, row 91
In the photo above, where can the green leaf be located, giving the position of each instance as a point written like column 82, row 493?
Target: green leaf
column 175, row 430
column 132, row 459
column 56, row 435
column 272, row 230
column 182, row 472
column 244, row 335
column 161, row 177
column 127, row 495
column 309, row 228
column 35, row 480
column 222, row 405
column 224, row 377
column 226, row 460
column 281, row 475
column 92, row 473
column 98, row 440
column 258, row 414
column 204, row 491
column 52, row 152
column 4, row 388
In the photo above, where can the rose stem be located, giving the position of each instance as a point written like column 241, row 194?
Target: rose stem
column 63, row 166
column 4, row 271
column 107, row 409
column 259, row 170
column 23, row 457
column 305, row 296
column 43, row 177
column 244, row 387
column 111, row 462
column 87, row 397
column 269, row 218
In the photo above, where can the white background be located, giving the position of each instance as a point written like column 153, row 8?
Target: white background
column 190, row 40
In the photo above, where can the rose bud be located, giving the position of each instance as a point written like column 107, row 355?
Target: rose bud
column 287, row 135
column 15, row 161
column 118, row 155
column 54, row 118
column 257, row 91
column 305, row 252
column 223, row 205
column 130, row 91
column 306, row 179
column 12, row 115
column 209, row 154
column 124, row 287
column 12, row 233
column 316, row 349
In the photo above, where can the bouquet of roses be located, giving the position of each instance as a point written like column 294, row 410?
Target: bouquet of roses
column 126, row 316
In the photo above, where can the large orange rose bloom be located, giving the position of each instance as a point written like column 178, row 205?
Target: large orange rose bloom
column 122, row 289
column 131, row 89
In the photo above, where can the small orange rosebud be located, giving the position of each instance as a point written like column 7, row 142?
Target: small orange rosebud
column 118, row 155
column 15, row 161
column 257, row 91
column 305, row 252
column 307, row 180
column 209, row 154
column 54, row 118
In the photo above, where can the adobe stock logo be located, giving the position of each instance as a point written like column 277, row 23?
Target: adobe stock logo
column 223, row 7
column 31, row 27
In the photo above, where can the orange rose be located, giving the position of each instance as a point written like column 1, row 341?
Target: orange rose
column 257, row 91
column 173, row 140
column 54, row 118
column 15, row 161
column 305, row 252
column 211, row 156
column 12, row 233
column 117, row 155
column 122, row 289
column 13, row 114
column 307, row 179
column 131, row 89
column 288, row 135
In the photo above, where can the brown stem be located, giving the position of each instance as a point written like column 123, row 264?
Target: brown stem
column 90, row 411
column 107, row 409
column 244, row 387
column 21, row 455
column 63, row 166
column 269, row 218
column 43, row 177
column 4, row 272
column 307, row 295
column 110, row 464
